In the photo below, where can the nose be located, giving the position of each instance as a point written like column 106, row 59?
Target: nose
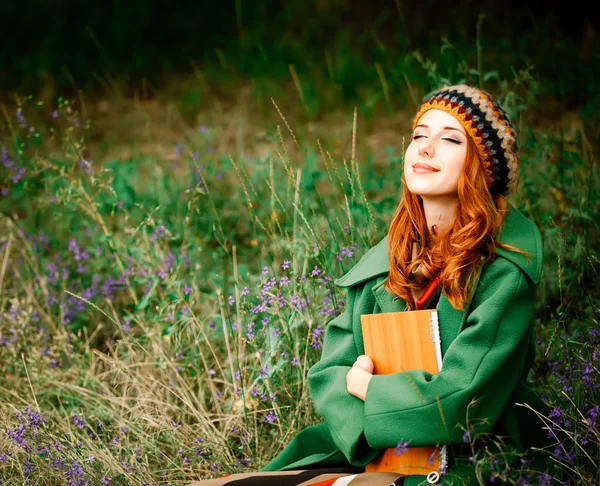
column 426, row 147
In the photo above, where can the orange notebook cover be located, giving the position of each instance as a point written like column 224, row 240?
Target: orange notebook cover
column 396, row 342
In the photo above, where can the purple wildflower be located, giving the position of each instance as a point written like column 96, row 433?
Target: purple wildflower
column 27, row 467
column 74, row 471
column 250, row 330
column 281, row 302
column 78, row 421
column 544, row 479
column 269, row 285
column 264, row 371
column 345, row 253
column 21, row 118
column 401, row 448
column 34, row 420
column 86, row 165
column 270, row 417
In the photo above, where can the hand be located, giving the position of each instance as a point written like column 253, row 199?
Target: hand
column 359, row 376
column 364, row 362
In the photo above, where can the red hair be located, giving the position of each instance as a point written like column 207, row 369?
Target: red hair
column 455, row 253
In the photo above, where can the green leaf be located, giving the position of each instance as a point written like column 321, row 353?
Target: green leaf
column 490, row 75
column 148, row 297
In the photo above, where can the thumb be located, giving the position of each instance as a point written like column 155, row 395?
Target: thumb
column 364, row 362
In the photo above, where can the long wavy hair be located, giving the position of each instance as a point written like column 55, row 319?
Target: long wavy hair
column 454, row 254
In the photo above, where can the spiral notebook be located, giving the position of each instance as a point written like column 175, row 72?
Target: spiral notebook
column 402, row 341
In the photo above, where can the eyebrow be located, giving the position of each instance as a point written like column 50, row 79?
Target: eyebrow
column 444, row 128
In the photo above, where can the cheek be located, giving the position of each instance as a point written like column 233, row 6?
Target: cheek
column 409, row 159
column 456, row 162
column 410, row 155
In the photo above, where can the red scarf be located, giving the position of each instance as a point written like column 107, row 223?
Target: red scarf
column 428, row 292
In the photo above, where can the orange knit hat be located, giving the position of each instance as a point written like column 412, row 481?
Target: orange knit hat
column 488, row 125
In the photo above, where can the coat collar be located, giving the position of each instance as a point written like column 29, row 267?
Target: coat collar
column 517, row 230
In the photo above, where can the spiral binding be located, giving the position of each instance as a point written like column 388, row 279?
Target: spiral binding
column 434, row 476
column 443, row 459
column 434, row 332
column 434, row 329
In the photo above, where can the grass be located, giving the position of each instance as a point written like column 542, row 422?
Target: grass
column 166, row 264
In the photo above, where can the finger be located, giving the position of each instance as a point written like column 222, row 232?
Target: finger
column 351, row 378
column 365, row 363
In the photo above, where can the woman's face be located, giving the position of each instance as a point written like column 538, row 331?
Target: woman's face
column 436, row 156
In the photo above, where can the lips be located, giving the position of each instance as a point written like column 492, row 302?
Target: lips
column 424, row 167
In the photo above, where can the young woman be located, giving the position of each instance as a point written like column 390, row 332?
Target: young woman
column 457, row 245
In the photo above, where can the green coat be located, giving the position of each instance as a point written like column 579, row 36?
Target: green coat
column 487, row 354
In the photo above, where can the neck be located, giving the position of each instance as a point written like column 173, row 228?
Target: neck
column 439, row 212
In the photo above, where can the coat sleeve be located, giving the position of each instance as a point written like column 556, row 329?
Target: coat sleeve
column 342, row 412
column 480, row 370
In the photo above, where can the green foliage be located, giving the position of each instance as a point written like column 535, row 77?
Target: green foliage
column 161, row 313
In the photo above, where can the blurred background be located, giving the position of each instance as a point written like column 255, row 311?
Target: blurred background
column 223, row 64
column 67, row 44
column 181, row 182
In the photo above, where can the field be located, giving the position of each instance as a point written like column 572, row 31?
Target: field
column 168, row 249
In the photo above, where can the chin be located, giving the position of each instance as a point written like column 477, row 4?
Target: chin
column 421, row 189
column 429, row 193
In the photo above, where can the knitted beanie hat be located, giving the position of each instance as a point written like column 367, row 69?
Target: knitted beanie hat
column 489, row 127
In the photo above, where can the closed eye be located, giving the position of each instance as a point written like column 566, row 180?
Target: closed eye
column 451, row 140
